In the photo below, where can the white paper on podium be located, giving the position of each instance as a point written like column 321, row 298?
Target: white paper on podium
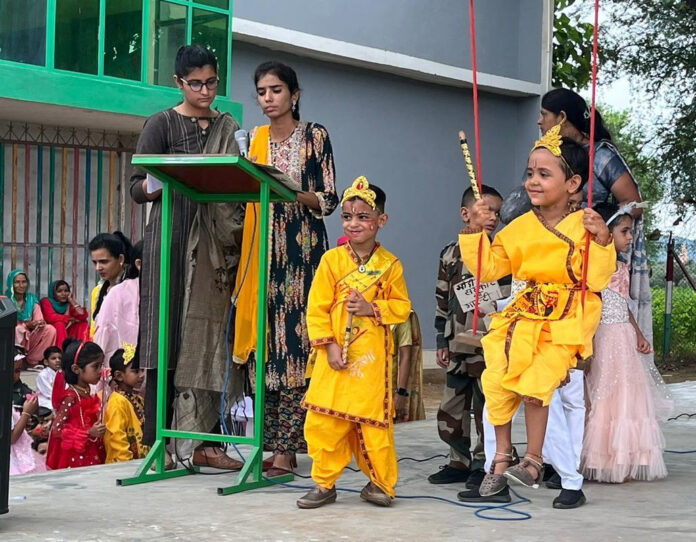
column 153, row 184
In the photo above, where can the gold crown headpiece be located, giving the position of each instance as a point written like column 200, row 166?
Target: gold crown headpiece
column 552, row 141
column 128, row 352
column 360, row 189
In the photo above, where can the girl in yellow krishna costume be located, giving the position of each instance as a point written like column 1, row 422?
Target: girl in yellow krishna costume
column 542, row 333
column 358, row 292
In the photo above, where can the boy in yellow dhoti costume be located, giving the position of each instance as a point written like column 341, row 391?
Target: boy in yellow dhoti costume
column 538, row 338
column 349, row 400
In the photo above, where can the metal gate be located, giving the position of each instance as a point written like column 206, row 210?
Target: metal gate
column 60, row 187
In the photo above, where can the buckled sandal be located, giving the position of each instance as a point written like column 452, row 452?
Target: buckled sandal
column 493, row 484
column 521, row 475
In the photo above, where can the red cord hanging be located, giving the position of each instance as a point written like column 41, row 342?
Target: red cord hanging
column 590, row 180
column 477, row 138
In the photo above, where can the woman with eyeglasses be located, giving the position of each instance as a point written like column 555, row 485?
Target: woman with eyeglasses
column 206, row 265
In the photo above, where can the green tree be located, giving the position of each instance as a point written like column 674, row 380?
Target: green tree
column 654, row 41
column 631, row 140
column 572, row 46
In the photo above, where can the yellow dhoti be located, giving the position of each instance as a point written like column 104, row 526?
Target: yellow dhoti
column 350, row 412
column 537, row 339
column 332, row 442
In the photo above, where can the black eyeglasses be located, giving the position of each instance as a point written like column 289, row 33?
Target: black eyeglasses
column 197, row 86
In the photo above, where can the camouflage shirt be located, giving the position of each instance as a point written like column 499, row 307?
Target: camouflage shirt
column 450, row 319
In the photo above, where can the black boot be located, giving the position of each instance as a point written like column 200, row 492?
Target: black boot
column 449, row 475
column 554, row 482
column 475, row 479
column 569, row 498
column 472, row 495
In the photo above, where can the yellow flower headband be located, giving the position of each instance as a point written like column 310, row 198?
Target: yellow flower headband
column 552, row 141
column 360, row 189
column 128, row 353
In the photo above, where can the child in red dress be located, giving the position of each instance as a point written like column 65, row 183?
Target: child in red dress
column 77, row 434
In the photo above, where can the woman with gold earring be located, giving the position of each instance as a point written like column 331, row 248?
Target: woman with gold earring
column 298, row 240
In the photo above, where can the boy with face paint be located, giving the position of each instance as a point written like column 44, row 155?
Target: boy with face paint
column 357, row 293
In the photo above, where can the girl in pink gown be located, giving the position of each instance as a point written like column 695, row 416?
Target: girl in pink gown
column 625, row 393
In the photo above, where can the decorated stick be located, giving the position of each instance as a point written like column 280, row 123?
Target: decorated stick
column 469, row 164
column 346, row 341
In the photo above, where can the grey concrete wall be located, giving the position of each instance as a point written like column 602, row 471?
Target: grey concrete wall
column 508, row 31
column 402, row 134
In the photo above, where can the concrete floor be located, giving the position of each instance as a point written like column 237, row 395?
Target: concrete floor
column 86, row 504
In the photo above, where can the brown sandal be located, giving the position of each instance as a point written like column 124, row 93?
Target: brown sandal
column 520, row 473
column 492, row 484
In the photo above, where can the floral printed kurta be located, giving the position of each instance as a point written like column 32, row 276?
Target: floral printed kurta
column 298, row 240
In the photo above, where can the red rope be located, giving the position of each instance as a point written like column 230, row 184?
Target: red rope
column 477, row 137
column 590, row 181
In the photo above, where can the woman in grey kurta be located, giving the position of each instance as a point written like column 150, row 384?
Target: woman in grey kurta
column 189, row 128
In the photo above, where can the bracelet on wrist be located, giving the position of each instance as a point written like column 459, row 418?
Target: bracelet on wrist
column 402, row 391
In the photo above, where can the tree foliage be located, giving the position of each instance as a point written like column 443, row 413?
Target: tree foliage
column 654, row 42
column 572, row 46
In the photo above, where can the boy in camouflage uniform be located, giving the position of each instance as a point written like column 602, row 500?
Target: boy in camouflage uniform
column 464, row 363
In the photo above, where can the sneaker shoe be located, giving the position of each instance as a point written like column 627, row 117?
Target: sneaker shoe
column 549, row 471
column 474, row 496
column 316, row 498
column 449, row 475
column 554, row 482
column 475, row 479
column 372, row 493
column 569, row 498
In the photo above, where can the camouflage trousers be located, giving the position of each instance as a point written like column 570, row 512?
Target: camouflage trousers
column 462, row 396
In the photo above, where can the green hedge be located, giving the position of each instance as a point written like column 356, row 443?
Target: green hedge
column 683, row 319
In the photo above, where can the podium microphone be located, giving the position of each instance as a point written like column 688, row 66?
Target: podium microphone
column 242, row 139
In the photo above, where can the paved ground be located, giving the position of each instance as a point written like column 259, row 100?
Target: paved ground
column 86, row 504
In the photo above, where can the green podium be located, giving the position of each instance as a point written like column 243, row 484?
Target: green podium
column 203, row 179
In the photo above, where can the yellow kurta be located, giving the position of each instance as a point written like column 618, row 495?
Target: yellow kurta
column 536, row 340
column 123, row 439
column 93, row 298
column 361, row 393
column 351, row 411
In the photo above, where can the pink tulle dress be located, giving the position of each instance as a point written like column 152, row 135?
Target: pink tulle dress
column 626, row 398
column 23, row 458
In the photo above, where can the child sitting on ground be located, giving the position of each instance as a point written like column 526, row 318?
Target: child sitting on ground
column 44, row 380
column 19, row 389
column 23, row 459
column 358, row 292
column 125, row 412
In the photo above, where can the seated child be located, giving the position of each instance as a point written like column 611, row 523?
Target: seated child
column 23, row 459
column 537, row 339
column 357, row 293
column 464, row 363
column 77, row 433
column 44, row 380
column 125, row 412
column 19, row 389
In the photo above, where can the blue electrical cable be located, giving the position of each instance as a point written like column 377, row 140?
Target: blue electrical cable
column 481, row 509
